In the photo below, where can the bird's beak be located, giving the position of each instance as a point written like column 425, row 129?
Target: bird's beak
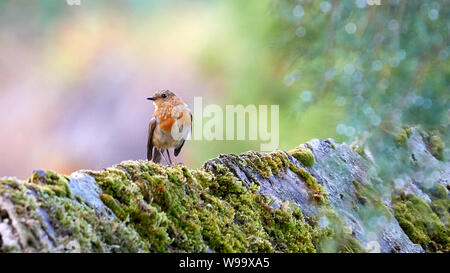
column 151, row 98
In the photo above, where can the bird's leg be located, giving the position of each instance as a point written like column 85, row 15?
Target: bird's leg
column 165, row 159
column 168, row 154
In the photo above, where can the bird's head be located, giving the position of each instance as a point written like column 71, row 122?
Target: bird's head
column 165, row 97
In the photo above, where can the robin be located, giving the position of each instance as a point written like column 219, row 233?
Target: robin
column 169, row 127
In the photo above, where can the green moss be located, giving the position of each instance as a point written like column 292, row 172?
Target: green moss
column 274, row 162
column 261, row 163
column 110, row 202
column 338, row 238
column 440, row 204
column 265, row 164
column 421, row 223
column 403, row 136
column 331, row 143
column 89, row 232
column 304, row 155
column 439, row 192
column 280, row 161
column 368, row 196
column 442, row 209
column 437, row 146
column 51, row 183
column 271, row 163
column 358, row 149
column 356, row 185
column 71, row 225
column 317, row 191
column 175, row 209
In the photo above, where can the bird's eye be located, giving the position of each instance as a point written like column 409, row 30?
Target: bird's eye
column 164, row 96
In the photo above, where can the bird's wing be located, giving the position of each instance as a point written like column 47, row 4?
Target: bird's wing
column 151, row 129
column 178, row 149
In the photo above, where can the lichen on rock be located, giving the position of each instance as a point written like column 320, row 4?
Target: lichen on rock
column 319, row 197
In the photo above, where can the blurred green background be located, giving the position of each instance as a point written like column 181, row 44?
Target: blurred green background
column 73, row 79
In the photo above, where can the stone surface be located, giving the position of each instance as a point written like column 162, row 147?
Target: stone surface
column 133, row 207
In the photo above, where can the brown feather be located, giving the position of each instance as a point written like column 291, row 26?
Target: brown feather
column 151, row 129
column 156, row 156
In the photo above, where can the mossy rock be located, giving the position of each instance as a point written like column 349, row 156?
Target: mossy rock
column 234, row 203
column 358, row 149
column 422, row 225
column 157, row 209
column 437, row 147
column 304, row 155
column 403, row 136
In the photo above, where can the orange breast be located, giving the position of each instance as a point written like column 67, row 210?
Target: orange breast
column 166, row 124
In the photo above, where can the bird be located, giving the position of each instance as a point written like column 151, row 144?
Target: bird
column 169, row 127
